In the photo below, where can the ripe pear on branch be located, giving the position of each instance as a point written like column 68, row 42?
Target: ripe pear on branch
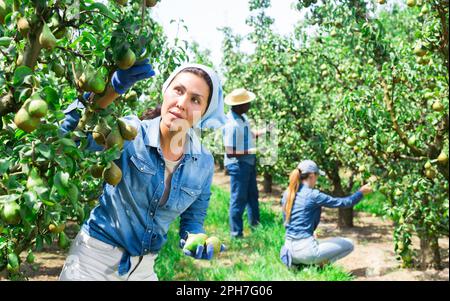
column 113, row 174
column 46, row 38
column 127, row 131
column 28, row 116
column 125, row 59
column 91, row 80
column 23, row 26
column 100, row 132
column 114, row 138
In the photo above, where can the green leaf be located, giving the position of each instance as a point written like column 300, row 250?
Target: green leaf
column 4, row 165
column 73, row 194
column 45, row 151
column 51, row 96
column 5, row 41
column 20, row 74
column 61, row 179
column 9, row 198
column 101, row 8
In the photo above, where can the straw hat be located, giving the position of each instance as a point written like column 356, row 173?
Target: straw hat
column 239, row 97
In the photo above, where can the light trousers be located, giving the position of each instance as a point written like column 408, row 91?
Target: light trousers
column 90, row 259
column 312, row 251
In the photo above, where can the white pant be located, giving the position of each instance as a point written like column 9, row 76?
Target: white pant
column 91, row 259
column 312, row 251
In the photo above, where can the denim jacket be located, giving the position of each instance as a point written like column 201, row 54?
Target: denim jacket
column 305, row 214
column 129, row 215
column 237, row 134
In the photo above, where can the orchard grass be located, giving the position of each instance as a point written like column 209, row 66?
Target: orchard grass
column 252, row 258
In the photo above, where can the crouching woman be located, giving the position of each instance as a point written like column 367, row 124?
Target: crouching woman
column 302, row 206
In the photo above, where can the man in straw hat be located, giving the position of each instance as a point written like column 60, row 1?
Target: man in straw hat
column 240, row 161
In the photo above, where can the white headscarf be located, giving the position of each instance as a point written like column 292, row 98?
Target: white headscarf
column 214, row 117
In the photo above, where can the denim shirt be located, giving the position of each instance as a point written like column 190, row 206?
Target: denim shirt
column 238, row 135
column 305, row 214
column 129, row 215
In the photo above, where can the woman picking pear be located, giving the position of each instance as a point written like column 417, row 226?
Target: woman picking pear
column 166, row 173
column 302, row 206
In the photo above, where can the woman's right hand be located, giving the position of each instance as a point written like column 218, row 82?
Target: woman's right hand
column 366, row 189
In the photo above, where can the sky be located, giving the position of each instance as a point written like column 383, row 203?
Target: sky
column 203, row 17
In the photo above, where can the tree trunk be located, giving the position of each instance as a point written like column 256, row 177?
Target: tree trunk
column 430, row 253
column 221, row 166
column 345, row 215
column 345, row 219
column 267, row 183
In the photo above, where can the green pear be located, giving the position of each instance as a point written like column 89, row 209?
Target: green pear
column 438, row 106
column 215, row 242
column 23, row 26
column 114, row 138
column 24, row 121
column 46, row 38
column 126, row 59
column 10, row 213
column 37, row 108
column 127, row 131
column 195, row 240
column 100, row 132
column 112, row 175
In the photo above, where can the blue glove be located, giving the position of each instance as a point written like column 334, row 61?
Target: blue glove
column 122, row 80
column 286, row 256
column 201, row 252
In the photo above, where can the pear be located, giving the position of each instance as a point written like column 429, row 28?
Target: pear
column 100, row 132
column 46, row 38
column 381, row 1
column 97, row 171
column 195, row 240
column 442, row 158
column 114, row 138
column 419, row 50
column 91, row 81
column 34, row 179
column 126, row 59
column 24, row 121
column 23, row 26
column 60, row 32
column 150, row 3
column 63, row 240
column 112, row 175
column 58, row 69
column 121, row 2
column 127, row 131
column 411, row 3
column 438, row 106
column 215, row 242
column 10, row 213
column 37, row 108
column 428, row 165
column 131, row 96
column 96, row 83
column 55, row 228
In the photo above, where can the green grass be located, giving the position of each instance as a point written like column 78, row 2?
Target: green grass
column 372, row 203
column 253, row 258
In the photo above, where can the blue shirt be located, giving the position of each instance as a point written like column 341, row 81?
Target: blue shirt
column 308, row 203
column 237, row 135
column 129, row 215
